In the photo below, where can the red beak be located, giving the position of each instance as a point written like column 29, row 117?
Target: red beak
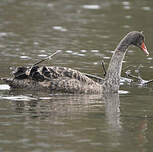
column 143, row 47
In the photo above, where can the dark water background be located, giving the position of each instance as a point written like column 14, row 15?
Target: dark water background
column 87, row 32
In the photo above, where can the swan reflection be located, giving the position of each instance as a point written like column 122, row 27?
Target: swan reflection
column 72, row 105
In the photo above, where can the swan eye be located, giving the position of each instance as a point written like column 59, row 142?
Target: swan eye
column 139, row 43
column 139, row 40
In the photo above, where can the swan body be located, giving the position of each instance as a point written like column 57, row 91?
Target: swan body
column 67, row 80
column 55, row 79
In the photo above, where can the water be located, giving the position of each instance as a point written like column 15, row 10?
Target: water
column 87, row 32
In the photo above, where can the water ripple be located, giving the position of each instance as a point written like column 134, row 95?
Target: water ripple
column 59, row 28
column 25, row 57
column 93, row 7
column 123, row 92
column 18, row 98
column 94, row 51
column 126, row 5
column 4, row 87
column 146, row 8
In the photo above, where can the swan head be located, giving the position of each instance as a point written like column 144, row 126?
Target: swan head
column 137, row 39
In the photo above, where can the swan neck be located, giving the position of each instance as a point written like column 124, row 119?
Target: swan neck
column 112, row 79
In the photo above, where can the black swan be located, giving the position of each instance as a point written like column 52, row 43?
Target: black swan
column 62, row 79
